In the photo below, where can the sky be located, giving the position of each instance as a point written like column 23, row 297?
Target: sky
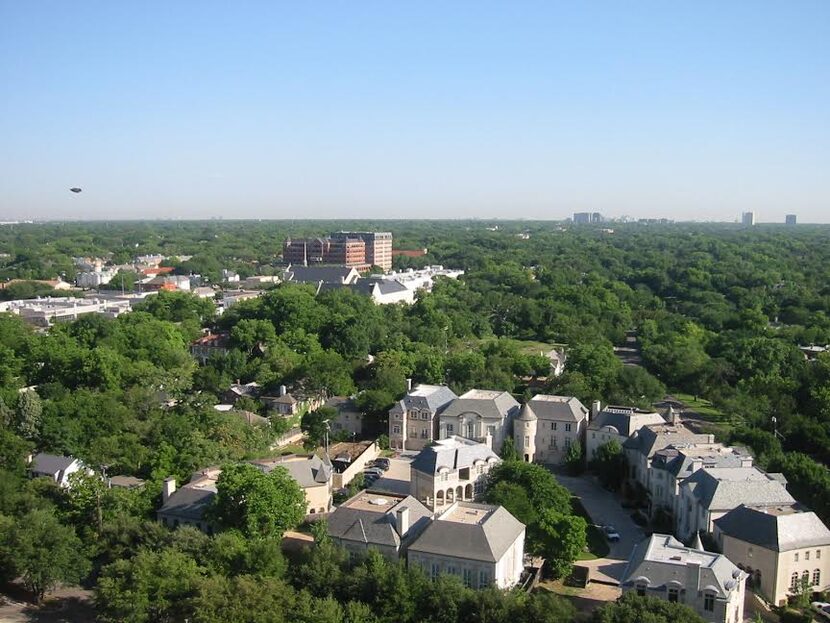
column 691, row 110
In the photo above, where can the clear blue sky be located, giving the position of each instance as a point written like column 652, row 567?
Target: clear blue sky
column 688, row 109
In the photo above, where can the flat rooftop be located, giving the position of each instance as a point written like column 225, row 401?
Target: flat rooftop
column 481, row 394
column 374, row 501
column 468, row 513
column 425, row 390
column 667, row 550
column 550, row 398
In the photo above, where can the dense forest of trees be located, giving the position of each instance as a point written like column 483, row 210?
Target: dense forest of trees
column 719, row 312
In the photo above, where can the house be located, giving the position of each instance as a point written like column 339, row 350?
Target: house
column 209, row 345
column 55, row 467
column 349, row 418
column 371, row 520
column 711, row 493
column 616, row 424
column 710, row 584
column 449, row 470
column 384, row 291
column 413, row 421
column 647, row 440
column 558, row 359
column 261, row 281
column 188, row 504
column 339, row 275
column 229, row 276
column 482, row 545
column 778, row 546
column 241, row 390
column 548, row 426
column 483, row 415
column 675, row 463
column 168, row 283
column 313, row 473
column 288, row 404
column 125, row 482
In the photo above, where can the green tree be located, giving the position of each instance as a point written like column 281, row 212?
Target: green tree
column 515, row 499
column 609, row 464
column 315, row 424
column 508, row 450
column 44, row 552
column 256, row 503
column 574, row 460
column 29, row 412
column 633, row 609
column 562, row 538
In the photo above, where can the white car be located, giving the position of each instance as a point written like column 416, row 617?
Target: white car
column 822, row 609
column 611, row 533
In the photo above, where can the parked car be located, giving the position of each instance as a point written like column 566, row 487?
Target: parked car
column 383, row 464
column 375, row 471
column 822, row 609
column 611, row 533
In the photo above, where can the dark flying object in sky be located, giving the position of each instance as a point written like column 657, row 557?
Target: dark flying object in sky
column 75, row 190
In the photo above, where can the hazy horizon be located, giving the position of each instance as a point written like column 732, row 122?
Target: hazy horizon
column 531, row 110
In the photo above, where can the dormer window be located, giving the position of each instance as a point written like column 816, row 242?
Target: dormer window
column 709, row 602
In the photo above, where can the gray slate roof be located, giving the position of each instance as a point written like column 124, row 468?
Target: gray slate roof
column 559, row 408
column 50, row 464
column 499, row 406
column 661, row 559
column 487, row 541
column 377, row 527
column 724, row 488
column 432, row 397
column 385, row 286
column 680, row 461
column 188, row 502
column 774, row 528
column 649, row 439
column 452, row 453
column 313, row 471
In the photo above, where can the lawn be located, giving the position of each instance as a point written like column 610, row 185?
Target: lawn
column 703, row 407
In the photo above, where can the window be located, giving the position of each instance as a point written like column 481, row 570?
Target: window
column 567, row 443
column 567, row 428
column 807, row 555
column 816, row 577
column 435, row 571
column 450, row 429
column 641, row 590
column 818, row 554
column 425, row 415
column 444, row 476
column 424, row 433
column 796, row 557
column 709, row 602
column 794, row 581
column 527, row 441
column 468, row 578
column 805, row 578
column 396, row 430
column 483, row 579
column 553, row 425
column 593, row 435
column 673, row 594
column 452, row 570
column 553, row 442
column 471, row 429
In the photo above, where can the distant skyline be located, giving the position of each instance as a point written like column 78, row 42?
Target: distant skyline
column 276, row 110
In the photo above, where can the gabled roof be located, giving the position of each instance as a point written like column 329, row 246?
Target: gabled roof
column 313, row 471
column 559, row 408
column 486, row 540
column 370, row 518
column 431, row 397
column 661, row 559
column 317, row 274
column 490, row 405
column 778, row 528
column 50, row 464
column 724, row 488
column 682, row 460
column 451, row 454
column 653, row 437
column 189, row 502
column 384, row 286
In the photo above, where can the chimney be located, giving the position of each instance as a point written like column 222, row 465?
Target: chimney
column 282, row 390
column 168, row 489
column 746, row 461
column 673, row 419
column 408, row 385
column 692, row 576
column 696, row 465
column 402, row 521
column 596, row 407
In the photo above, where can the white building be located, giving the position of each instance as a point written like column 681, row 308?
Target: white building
column 616, row 424
column 413, row 421
column 55, row 467
column 483, row 415
column 44, row 312
column 548, row 426
column 229, row 276
column 450, row 470
column 95, row 278
column 480, row 544
column 422, row 279
column 710, row 584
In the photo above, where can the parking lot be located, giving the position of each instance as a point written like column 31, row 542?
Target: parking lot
column 396, row 479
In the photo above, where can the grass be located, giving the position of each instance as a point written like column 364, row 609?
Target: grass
column 705, row 408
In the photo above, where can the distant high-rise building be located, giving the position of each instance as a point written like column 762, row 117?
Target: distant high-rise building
column 359, row 249
column 582, row 217
column 748, row 218
column 596, row 217
column 790, row 219
column 378, row 246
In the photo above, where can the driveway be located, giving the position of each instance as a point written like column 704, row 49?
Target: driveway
column 604, row 508
column 396, row 478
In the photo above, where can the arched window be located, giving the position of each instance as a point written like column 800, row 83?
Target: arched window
column 805, row 577
column 641, row 589
column 816, row 577
column 674, row 594
column 794, row 581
